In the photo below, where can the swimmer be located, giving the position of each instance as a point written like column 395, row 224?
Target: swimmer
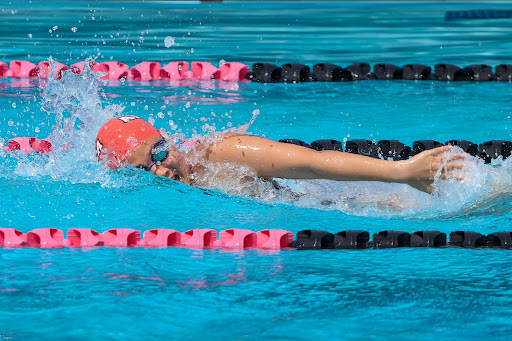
column 132, row 140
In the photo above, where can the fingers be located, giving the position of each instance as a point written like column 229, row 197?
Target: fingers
column 455, row 165
column 459, row 156
column 451, row 176
column 448, row 159
column 450, row 165
column 452, row 170
column 439, row 150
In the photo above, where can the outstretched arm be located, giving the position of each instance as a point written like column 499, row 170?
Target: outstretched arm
column 282, row 160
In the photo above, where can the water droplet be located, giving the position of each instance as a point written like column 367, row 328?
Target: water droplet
column 74, row 29
column 169, row 41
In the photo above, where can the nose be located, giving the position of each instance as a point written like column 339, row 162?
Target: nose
column 170, row 173
column 163, row 171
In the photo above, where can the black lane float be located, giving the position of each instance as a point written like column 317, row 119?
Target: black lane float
column 396, row 150
column 358, row 239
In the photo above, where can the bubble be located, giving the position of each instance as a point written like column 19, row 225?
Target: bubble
column 54, row 28
column 14, row 105
column 30, row 35
column 169, row 41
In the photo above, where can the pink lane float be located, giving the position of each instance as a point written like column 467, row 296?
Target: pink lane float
column 233, row 239
column 117, row 71
column 29, row 145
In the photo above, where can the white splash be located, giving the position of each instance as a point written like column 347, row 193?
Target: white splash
column 74, row 105
column 169, row 41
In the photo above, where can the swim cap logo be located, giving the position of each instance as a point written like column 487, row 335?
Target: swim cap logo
column 127, row 119
column 99, row 147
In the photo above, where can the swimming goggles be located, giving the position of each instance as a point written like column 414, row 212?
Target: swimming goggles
column 159, row 153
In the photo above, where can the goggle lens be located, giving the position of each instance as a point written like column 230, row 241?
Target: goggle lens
column 159, row 156
column 158, row 153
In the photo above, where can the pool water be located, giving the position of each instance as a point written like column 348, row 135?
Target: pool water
column 114, row 293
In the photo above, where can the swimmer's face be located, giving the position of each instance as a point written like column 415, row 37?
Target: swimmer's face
column 171, row 167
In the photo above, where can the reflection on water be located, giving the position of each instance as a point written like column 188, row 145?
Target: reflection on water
column 415, row 288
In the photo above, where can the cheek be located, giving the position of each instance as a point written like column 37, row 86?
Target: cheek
column 171, row 162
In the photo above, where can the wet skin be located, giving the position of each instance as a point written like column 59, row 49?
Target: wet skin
column 172, row 167
column 271, row 159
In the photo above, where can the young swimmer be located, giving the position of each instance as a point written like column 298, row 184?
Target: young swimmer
column 134, row 140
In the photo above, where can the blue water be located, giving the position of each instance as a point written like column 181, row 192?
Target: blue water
column 400, row 294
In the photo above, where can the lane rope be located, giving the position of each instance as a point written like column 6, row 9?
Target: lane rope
column 114, row 71
column 238, row 239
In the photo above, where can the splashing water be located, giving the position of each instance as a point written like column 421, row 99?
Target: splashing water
column 76, row 107
column 484, row 190
column 169, row 41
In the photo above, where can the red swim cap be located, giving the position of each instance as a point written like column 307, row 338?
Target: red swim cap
column 120, row 136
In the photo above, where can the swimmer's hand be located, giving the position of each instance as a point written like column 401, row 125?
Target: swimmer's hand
column 420, row 171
